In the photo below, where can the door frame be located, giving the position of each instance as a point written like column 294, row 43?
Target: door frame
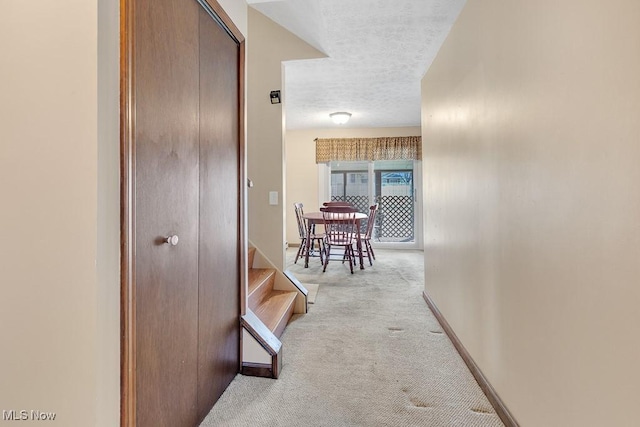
column 128, row 188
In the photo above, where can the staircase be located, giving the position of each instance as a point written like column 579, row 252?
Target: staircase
column 273, row 308
column 272, row 299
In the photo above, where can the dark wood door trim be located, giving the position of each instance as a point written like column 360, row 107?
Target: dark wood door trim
column 220, row 16
column 127, row 194
column 127, row 215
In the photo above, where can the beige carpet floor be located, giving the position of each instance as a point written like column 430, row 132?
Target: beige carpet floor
column 368, row 353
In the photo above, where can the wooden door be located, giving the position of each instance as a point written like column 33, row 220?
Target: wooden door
column 219, row 303
column 166, row 204
column 181, row 175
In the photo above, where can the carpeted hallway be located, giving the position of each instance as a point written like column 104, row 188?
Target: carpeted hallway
column 368, row 353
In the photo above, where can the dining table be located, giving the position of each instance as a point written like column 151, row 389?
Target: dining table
column 314, row 218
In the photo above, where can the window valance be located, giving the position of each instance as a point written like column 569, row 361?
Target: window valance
column 361, row 149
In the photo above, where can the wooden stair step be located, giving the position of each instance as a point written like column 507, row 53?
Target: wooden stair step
column 260, row 285
column 276, row 309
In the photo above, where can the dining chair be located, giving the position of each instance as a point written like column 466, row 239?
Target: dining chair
column 365, row 237
column 313, row 237
column 340, row 230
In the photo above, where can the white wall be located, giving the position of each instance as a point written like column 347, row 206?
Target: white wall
column 532, row 245
column 302, row 172
column 59, row 181
column 108, row 217
column 270, row 44
column 237, row 11
column 48, row 182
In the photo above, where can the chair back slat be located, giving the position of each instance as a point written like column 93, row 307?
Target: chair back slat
column 302, row 229
column 373, row 209
column 343, row 209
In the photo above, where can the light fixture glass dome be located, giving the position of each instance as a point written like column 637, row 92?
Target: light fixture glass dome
column 340, row 117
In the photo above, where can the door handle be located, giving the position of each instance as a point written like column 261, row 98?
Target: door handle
column 172, row 240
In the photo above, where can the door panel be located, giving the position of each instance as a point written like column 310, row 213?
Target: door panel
column 395, row 193
column 166, row 203
column 219, row 311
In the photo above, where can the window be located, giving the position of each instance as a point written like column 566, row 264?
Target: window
column 390, row 183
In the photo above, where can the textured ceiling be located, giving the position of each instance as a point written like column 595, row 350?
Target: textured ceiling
column 378, row 51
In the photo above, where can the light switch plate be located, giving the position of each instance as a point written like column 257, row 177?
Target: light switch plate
column 273, row 197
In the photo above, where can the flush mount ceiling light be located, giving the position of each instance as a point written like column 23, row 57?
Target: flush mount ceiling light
column 340, row 117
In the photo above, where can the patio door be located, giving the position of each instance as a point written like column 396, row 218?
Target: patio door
column 390, row 183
